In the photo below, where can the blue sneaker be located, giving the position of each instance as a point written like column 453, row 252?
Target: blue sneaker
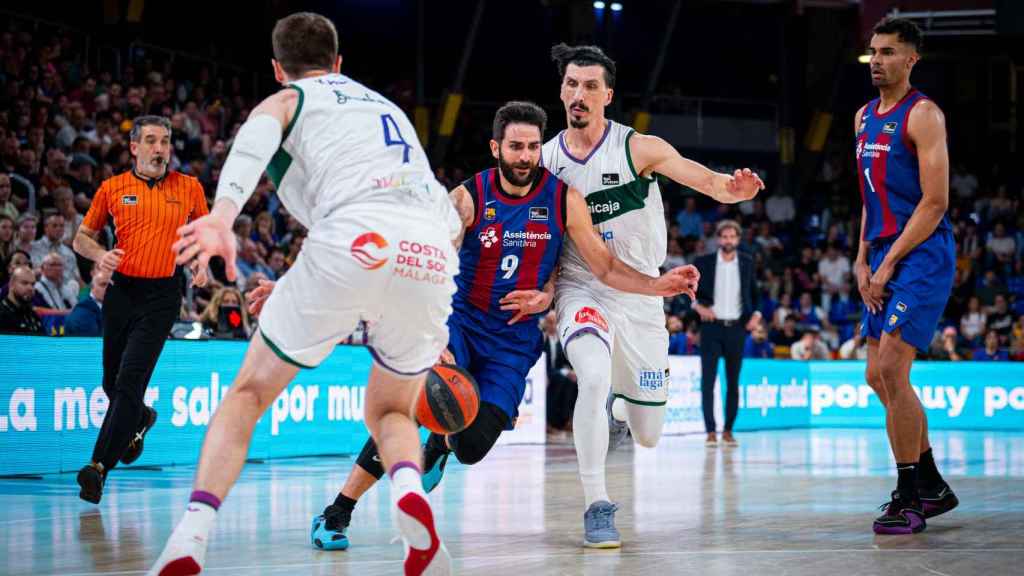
column 432, row 477
column 334, row 537
column 617, row 429
column 435, row 457
column 599, row 526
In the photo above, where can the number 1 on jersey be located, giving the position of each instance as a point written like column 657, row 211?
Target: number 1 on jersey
column 391, row 128
column 509, row 264
column 867, row 178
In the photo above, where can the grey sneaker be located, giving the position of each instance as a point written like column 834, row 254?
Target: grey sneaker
column 599, row 526
column 617, row 429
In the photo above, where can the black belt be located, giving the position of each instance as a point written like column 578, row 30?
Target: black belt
column 727, row 323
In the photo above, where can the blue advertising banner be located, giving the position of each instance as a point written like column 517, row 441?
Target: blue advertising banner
column 791, row 394
column 52, row 403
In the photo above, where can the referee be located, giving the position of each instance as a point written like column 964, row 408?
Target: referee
column 147, row 205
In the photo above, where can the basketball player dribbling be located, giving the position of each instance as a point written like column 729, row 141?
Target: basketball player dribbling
column 515, row 218
column 616, row 341
column 367, row 195
column 906, row 261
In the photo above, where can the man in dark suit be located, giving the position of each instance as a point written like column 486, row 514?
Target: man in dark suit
column 725, row 303
column 86, row 319
column 561, row 391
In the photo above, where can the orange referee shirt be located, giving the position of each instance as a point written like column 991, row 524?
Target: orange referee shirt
column 147, row 215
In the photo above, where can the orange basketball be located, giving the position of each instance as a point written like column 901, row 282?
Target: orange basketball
column 448, row 401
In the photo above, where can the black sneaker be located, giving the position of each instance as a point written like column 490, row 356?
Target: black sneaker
column 134, row 450
column 901, row 516
column 329, row 529
column 937, row 500
column 91, row 479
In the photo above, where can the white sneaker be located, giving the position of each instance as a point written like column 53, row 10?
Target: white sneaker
column 182, row 556
column 425, row 554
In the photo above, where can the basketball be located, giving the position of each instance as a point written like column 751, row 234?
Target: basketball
column 448, row 401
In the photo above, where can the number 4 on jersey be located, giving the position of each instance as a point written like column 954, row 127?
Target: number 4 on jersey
column 393, row 136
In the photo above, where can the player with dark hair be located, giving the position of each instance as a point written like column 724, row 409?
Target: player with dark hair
column 515, row 218
column 905, row 262
column 616, row 342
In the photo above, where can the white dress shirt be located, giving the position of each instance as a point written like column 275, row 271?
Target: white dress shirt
column 728, row 305
column 63, row 297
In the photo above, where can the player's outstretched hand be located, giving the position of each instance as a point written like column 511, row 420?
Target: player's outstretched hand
column 259, row 295
column 742, row 185
column 679, row 280
column 205, row 238
column 524, row 303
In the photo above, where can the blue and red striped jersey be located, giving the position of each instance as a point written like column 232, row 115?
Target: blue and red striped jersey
column 890, row 181
column 513, row 243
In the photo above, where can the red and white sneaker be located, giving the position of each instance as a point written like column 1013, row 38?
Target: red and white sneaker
column 425, row 554
column 183, row 556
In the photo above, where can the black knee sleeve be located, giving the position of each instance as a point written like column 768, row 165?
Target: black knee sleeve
column 473, row 443
column 369, row 459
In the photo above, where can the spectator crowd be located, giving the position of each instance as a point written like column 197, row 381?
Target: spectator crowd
column 64, row 128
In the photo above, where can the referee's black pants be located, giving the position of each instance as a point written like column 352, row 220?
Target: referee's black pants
column 721, row 339
column 138, row 314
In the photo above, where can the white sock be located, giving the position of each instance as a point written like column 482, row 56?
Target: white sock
column 592, row 362
column 405, row 480
column 197, row 521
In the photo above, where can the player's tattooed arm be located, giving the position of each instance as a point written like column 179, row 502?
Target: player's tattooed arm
column 614, row 272
column 463, row 202
column 651, row 154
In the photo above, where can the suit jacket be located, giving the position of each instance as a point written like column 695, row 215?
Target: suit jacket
column 86, row 319
column 748, row 285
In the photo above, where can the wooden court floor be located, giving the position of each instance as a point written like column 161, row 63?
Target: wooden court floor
column 783, row 503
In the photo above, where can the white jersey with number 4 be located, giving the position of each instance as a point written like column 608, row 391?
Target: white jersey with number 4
column 625, row 207
column 348, row 145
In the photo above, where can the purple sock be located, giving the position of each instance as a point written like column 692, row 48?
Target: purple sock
column 206, row 498
column 404, row 464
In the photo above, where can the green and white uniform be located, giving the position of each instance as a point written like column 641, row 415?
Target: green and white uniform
column 351, row 170
column 629, row 215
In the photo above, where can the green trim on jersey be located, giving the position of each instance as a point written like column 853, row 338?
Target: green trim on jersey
column 298, row 109
column 629, row 159
column 278, row 166
column 281, row 354
column 618, row 200
column 640, row 402
column 282, row 159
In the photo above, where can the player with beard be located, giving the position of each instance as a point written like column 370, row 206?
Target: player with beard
column 146, row 205
column 906, row 261
column 515, row 219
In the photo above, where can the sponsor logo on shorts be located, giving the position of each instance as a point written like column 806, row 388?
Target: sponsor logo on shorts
column 652, row 380
column 610, row 179
column 363, row 249
column 490, row 213
column 588, row 315
column 421, row 262
column 539, row 213
column 901, row 306
column 893, row 320
column 890, row 127
column 607, row 235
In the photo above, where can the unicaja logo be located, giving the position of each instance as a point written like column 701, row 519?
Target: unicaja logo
column 363, row 249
